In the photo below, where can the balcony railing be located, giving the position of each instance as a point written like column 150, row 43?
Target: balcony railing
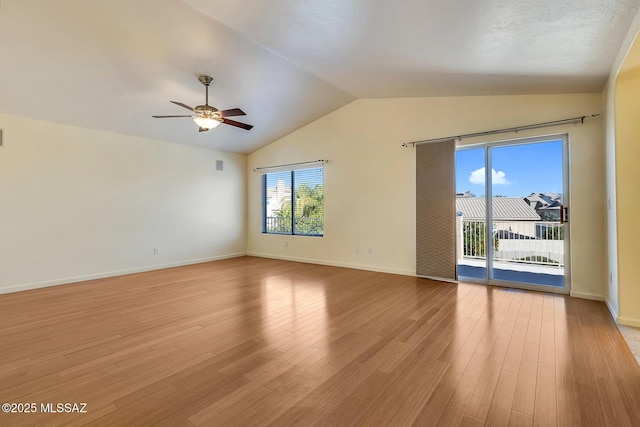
column 303, row 225
column 522, row 242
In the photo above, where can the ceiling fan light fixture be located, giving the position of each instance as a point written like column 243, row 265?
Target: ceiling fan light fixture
column 206, row 122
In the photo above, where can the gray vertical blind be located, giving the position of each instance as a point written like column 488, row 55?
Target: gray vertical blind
column 435, row 210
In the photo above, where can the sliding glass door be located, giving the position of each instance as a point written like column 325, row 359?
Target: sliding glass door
column 511, row 211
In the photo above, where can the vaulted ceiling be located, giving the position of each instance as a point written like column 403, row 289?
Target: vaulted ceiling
column 111, row 65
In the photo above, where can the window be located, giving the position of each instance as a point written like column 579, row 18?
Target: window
column 293, row 202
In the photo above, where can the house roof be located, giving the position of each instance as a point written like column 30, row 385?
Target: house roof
column 538, row 198
column 544, row 197
column 504, row 209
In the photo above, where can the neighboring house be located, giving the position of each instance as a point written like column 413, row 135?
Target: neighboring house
column 513, row 217
column 276, row 197
column 538, row 200
column 547, row 205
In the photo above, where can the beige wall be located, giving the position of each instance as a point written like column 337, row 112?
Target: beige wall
column 627, row 156
column 370, row 178
column 78, row 203
column 621, row 297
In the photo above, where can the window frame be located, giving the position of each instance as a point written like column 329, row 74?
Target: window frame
column 292, row 193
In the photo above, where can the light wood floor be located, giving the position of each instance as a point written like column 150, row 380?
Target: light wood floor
column 252, row 341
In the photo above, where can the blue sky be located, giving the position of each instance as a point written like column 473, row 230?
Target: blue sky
column 518, row 170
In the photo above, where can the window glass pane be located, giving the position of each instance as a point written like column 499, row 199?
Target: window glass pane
column 309, row 201
column 471, row 213
column 278, row 203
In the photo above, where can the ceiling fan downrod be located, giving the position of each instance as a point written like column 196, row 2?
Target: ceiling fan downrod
column 206, row 81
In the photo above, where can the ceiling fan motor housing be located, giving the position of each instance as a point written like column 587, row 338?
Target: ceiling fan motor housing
column 207, row 111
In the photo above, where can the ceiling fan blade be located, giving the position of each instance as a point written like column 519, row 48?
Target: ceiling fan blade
column 202, row 130
column 236, row 124
column 166, row 117
column 232, row 112
column 184, row 106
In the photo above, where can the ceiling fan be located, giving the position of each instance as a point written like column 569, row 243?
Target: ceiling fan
column 208, row 117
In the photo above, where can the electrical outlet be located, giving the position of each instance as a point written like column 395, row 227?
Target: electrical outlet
column 357, row 250
column 610, row 277
column 370, row 251
column 286, row 244
column 155, row 251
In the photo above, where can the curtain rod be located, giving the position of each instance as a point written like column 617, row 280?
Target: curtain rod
column 312, row 162
column 579, row 119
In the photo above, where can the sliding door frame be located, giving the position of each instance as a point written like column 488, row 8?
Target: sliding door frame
column 490, row 252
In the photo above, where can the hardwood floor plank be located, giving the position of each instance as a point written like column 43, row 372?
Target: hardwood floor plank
column 471, row 314
column 500, row 409
column 469, row 421
column 524, row 399
column 457, row 403
column 480, row 401
column 547, row 353
column 564, row 358
column 545, row 404
column 253, row 341
column 478, row 405
column 299, row 416
column 518, row 419
column 399, row 403
column 612, row 402
column 629, row 384
column 516, row 345
column 535, row 319
column 569, row 409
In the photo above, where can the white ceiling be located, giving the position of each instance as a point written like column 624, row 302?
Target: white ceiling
column 381, row 48
column 112, row 64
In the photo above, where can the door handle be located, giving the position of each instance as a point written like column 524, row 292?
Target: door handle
column 564, row 214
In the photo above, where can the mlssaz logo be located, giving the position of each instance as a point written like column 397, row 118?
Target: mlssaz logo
column 64, row 407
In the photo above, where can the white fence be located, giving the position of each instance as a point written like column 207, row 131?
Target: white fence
column 522, row 242
column 547, row 252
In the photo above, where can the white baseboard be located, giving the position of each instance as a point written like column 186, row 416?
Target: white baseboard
column 335, row 264
column 75, row 279
column 627, row 321
column 614, row 312
column 587, row 295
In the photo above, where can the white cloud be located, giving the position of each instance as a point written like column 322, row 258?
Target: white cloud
column 498, row 178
